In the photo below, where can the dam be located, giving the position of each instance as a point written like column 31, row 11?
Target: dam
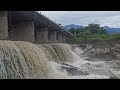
column 31, row 45
column 34, row 47
column 31, row 26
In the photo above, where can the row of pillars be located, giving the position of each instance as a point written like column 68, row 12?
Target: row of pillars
column 26, row 31
column 44, row 35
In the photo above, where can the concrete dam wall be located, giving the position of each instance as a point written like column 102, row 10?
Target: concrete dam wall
column 30, row 26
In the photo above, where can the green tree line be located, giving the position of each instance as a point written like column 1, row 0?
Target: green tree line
column 91, row 28
column 92, row 32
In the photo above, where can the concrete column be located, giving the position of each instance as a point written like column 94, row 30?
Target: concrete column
column 64, row 38
column 59, row 37
column 24, row 31
column 3, row 25
column 45, row 35
column 52, row 36
column 38, row 35
column 41, row 35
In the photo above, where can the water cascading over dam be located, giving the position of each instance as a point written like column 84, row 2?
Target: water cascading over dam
column 23, row 60
column 57, row 52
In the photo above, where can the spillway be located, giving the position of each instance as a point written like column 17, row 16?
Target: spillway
column 23, row 60
column 59, row 53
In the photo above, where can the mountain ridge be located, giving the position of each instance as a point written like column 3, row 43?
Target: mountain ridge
column 109, row 29
column 67, row 27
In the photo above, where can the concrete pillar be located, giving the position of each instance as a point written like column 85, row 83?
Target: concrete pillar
column 3, row 25
column 52, row 36
column 45, row 34
column 24, row 31
column 41, row 35
column 38, row 35
column 59, row 35
column 64, row 38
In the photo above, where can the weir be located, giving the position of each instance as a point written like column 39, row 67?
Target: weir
column 30, row 26
column 57, row 52
column 24, row 60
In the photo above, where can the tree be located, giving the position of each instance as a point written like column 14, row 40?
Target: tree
column 95, row 29
column 91, row 28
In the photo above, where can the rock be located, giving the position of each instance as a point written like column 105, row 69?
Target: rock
column 72, row 70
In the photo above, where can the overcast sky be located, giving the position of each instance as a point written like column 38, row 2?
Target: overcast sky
column 105, row 18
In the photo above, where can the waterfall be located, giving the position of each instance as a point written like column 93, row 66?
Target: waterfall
column 23, row 60
column 57, row 52
column 67, row 63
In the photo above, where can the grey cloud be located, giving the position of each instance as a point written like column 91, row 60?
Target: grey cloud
column 110, row 18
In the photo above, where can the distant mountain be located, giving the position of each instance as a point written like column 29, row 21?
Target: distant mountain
column 106, row 27
column 67, row 27
column 112, row 30
column 109, row 29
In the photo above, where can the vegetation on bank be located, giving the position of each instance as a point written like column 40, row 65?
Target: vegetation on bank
column 92, row 33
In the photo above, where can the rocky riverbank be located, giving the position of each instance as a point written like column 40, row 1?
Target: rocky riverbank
column 103, row 58
column 105, row 51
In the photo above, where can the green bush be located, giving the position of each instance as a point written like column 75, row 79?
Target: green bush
column 115, row 36
column 83, row 37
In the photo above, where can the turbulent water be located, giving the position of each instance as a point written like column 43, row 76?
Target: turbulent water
column 24, row 60
column 67, row 63
column 57, row 52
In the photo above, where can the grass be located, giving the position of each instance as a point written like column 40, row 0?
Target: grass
column 82, row 37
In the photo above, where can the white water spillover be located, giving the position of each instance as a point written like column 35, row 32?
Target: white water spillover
column 66, row 61
column 57, row 52
column 24, row 60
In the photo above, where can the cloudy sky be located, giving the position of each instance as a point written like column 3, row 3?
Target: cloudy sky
column 105, row 18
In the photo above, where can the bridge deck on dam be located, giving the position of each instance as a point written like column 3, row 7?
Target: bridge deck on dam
column 31, row 26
